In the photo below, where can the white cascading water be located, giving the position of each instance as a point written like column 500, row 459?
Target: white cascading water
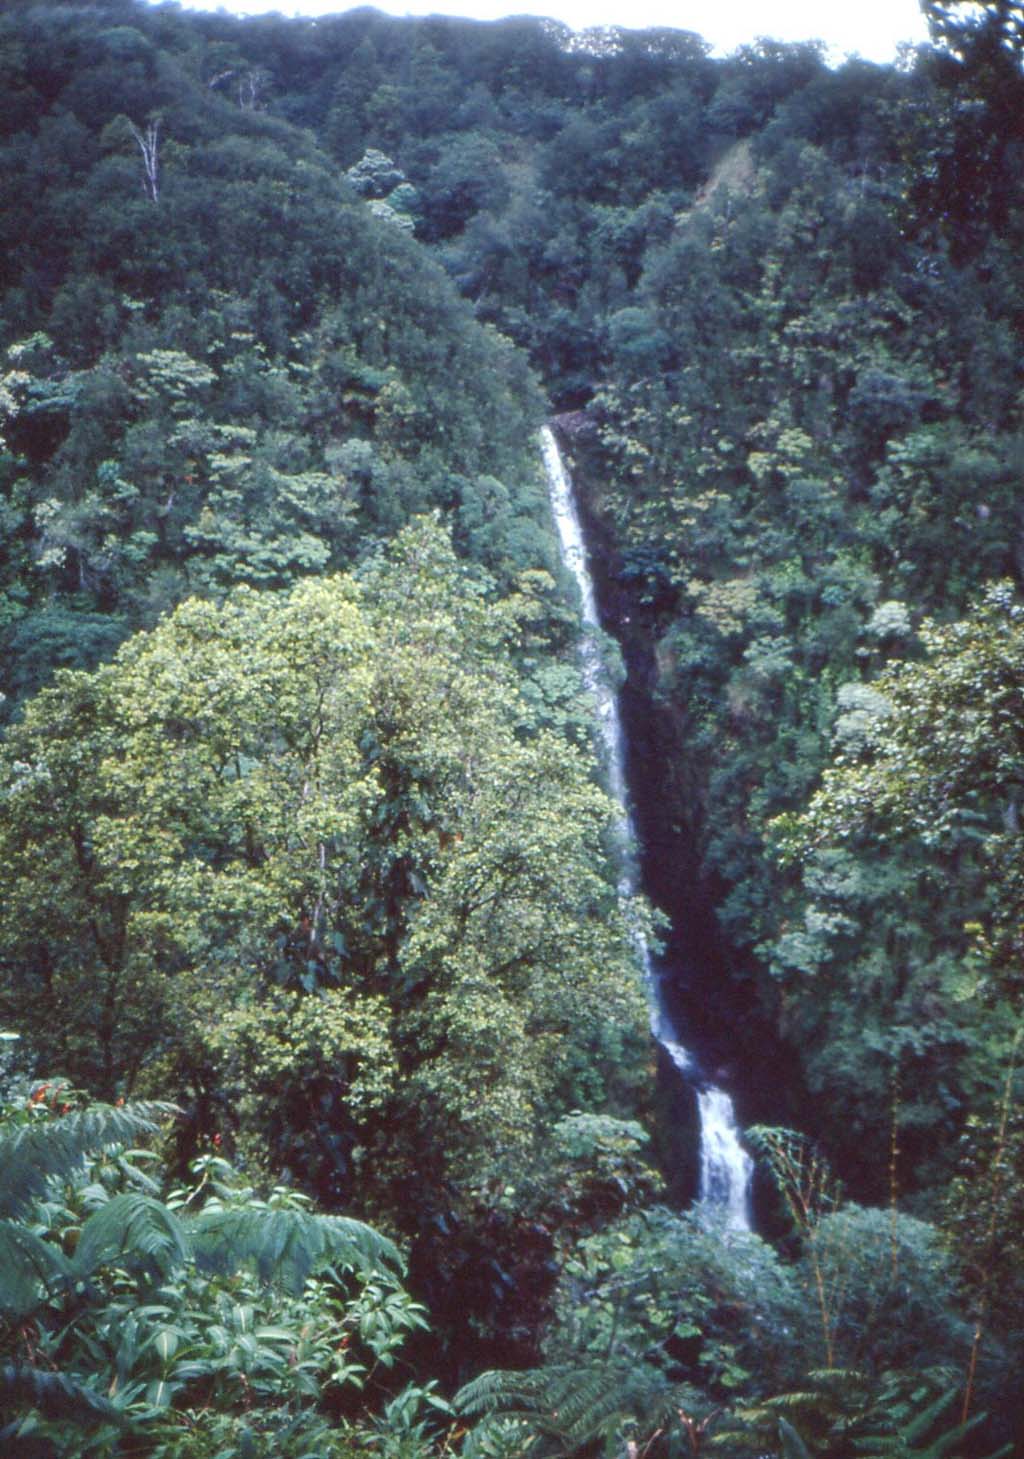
column 725, row 1167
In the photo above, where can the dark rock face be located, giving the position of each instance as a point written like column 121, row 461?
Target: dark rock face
column 677, row 1133
column 571, row 425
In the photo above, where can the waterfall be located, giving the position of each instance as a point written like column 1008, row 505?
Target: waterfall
column 725, row 1167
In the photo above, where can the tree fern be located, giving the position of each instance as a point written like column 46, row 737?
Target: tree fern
column 570, row 1408
column 830, row 1402
column 56, row 1395
column 907, row 1431
column 33, row 1154
column 140, row 1232
column 134, row 1231
column 286, row 1246
column 28, row 1268
column 841, row 1413
column 90, row 1308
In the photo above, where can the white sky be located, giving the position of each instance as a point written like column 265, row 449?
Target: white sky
column 869, row 28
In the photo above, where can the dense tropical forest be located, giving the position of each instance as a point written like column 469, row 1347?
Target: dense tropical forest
column 330, row 1119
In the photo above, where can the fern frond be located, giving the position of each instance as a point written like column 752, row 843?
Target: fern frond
column 286, row 1246
column 54, row 1395
column 497, row 1390
column 570, row 1407
column 797, row 1401
column 582, row 1404
column 840, row 1377
column 910, row 1440
column 922, row 1422
column 28, row 1268
column 838, row 1389
column 131, row 1230
column 34, row 1154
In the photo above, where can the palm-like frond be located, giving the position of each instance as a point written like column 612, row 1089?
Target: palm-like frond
column 132, row 1230
column 28, row 1267
column 285, row 1246
column 55, row 1395
column 31, row 1155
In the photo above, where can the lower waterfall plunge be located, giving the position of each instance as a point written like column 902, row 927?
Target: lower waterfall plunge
column 725, row 1167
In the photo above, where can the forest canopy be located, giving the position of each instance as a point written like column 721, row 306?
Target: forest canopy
column 329, row 1119
column 307, row 854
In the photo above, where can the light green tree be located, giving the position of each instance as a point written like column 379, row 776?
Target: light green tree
column 296, row 854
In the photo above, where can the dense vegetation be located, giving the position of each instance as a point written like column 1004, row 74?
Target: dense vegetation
column 326, row 1092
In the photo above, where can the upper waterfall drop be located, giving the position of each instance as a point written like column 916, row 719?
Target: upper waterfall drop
column 725, row 1167
column 574, row 555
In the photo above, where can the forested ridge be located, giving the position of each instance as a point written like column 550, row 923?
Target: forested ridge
column 330, row 1117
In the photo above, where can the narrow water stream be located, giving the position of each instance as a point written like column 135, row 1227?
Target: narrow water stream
column 725, row 1167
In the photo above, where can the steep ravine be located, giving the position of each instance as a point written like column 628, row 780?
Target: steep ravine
column 724, row 1165
column 717, row 1014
